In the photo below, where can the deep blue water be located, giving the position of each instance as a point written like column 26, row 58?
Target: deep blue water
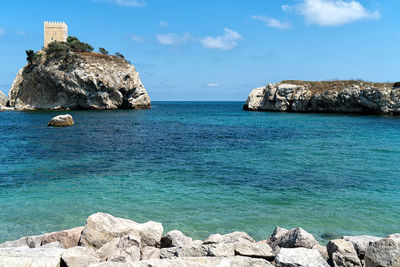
column 202, row 168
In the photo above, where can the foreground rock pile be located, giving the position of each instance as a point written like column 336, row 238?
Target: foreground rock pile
column 109, row 241
column 331, row 96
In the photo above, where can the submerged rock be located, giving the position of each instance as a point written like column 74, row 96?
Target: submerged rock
column 333, row 97
column 90, row 81
column 61, row 121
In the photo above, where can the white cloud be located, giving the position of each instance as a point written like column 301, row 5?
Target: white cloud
column 2, row 31
column 334, row 12
column 286, row 8
column 21, row 33
column 225, row 42
column 271, row 22
column 173, row 38
column 128, row 3
column 136, row 38
column 212, row 84
column 162, row 24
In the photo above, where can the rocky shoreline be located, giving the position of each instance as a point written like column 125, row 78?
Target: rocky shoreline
column 327, row 97
column 109, row 241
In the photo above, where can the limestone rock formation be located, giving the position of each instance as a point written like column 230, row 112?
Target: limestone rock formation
column 361, row 243
column 91, row 81
column 332, row 97
column 236, row 261
column 384, row 252
column 61, row 121
column 175, row 238
column 69, row 238
column 101, row 228
column 24, row 257
column 343, row 254
column 300, row 257
column 229, row 238
column 3, row 99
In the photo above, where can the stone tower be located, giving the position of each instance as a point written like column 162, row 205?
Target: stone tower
column 55, row 31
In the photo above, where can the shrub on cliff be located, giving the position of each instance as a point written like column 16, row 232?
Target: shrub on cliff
column 77, row 46
column 103, row 51
column 32, row 56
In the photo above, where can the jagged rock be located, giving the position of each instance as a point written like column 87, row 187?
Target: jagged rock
column 191, row 251
column 254, row 250
column 384, row 252
column 393, row 235
column 78, row 257
column 166, row 253
column 297, row 238
column 361, row 243
column 61, row 121
column 122, row 249
column 220, row 249
column 101, row 228
column 229, row 238
column 334, row 96
column 53, row 245
column 343, row 254
column 3, row 99
column 69, row 238
column 93, row 82
column 24, row 256
column 148, row 253
column 300, row 257
column 278, row 233
column 236, row 261
column 175, row 238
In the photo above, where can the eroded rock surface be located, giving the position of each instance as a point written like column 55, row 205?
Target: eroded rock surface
column 92, row 81
column 343, row 254
column 62, row 121
column 333, row 97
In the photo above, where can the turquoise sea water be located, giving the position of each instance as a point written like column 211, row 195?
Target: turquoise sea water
column 201, row 168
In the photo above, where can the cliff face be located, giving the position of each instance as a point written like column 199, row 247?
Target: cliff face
column 330, row 97
column 91, row 81
column 3, row 99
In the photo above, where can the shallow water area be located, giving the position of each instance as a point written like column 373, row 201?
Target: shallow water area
column 201, row 167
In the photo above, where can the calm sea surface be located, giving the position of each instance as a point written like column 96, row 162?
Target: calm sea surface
column 202, row 168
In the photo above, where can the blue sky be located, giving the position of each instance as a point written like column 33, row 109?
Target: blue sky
column 217, row 50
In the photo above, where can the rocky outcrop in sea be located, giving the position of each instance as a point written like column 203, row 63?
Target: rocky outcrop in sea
column 87, row 81
column 107, row 241
column 330, row 97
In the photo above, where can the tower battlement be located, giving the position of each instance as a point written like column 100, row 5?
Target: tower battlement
column 55, row 31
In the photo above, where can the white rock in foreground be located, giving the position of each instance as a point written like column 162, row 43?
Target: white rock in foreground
column 236, row 261
column 101, row 228
column 300, row 257
column 24, row 256
column 61, row 121
column 384, row 252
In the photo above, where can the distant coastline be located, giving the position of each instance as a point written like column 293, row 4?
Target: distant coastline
column 353, row 96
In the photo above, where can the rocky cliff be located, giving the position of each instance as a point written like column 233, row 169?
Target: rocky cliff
column 3, row 99
column 88, row 81
column 330, row 97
